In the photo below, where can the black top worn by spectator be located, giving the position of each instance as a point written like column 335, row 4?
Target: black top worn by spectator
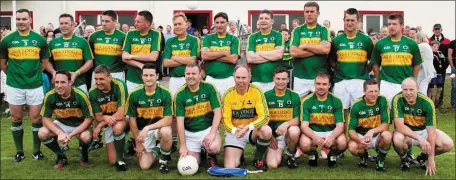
column 440, row 63
column 452, row 45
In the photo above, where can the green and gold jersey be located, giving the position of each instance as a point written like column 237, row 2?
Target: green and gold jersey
column 216, row 68
column 24, row 53
column 264, row 42
column 107, row 49
column 107, row 103
column 188, row 47
column 416, row 116
column 322, row 114
column 396, row 58
column 140, row 44
column 351, row 55
column 286, row 59
column 282, row 108
column 364, row 117
column 71, row 54
column 149, row 108
column 309, row 67
column 71, row 111
column 197, row 106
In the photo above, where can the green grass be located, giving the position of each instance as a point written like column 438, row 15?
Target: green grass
column 347, row 166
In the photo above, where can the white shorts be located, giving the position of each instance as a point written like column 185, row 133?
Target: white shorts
column 118, row 75
column 232, row 141
column 303, row 86
column 389, row 90
column 373, row 141
column 281, row 142
column 131, row 86
column 175, row 83
column 323, row 134
column 151, row 139
column 16, row 96
column 222, row 85
column 349, row 91
column 83, row 88
column 194, row 140
column 66, row 129
column 264, row 86
column 423, row 133
column 109, row 134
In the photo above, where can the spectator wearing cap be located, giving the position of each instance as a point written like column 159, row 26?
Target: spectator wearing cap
column 444, row 44
column 212, row 29
column 190, row 29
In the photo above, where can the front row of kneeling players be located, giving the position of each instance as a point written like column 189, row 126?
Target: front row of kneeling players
column 269, row 121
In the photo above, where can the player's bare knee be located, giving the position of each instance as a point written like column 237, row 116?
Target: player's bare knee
column 165, row 133
column 43, row 133
column 85, row 136
column 265, row 132
column 386, row 137
column 294, row 133
column 118, row 128
column 16, row 117
column 272, row 164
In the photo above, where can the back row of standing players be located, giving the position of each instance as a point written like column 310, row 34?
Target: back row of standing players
column 309, row 47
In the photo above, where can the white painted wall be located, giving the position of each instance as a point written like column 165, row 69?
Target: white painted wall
column 416, row 13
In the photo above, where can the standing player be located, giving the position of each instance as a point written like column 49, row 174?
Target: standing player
column 108, row 99
column 73, row 116
column 71, row 53
column 107, row 46
column 149, row 107
column 220, row 53
column 322, row 124
column 350, row 53
column 22, row 54
column 310, row 43
column 245, row 119
column 284, row 110
column 180, row 51
column 198, row 112
column 141, row 46
column 264, row 51
column 415, row 122
column 368, row 125
column 398, row 56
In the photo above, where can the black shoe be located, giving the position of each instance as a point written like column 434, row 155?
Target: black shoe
column 96, row 145
column 19, row 157
column 332, row 161
column 131, row 147
column 38, row 156
column 363, row 159
column 422, row 160
column 372, row 158
column 84, row 160
column 61, row 161
column 405, row 165
column 291, row 162
column 313, row 160
column 260, row 165
column 121, row 166
column 412, row 160
column 164, row 168
column 380, row 166
column 174, row 148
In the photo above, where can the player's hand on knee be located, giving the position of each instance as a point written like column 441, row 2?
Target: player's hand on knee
column 274, row 144
column 282, row 129
column 62, row 138
column 140, row 150
column 96, row 131
column 430, row 167
column 329, row 140
column 425, row 146
column 141, row 135
column 208, row 140
column 320, row 141
column 368, row 136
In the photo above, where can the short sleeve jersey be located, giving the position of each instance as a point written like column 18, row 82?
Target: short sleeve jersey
column 140, row 44
column 282, row 108
column 149, row 108
column 107, row 49
column 24, row 54
column 264, row 42
column 216, row 68
column 71, row 111
column 309, row 67
column 107, row 103
column 188, row 47
column 416, row 116
column 364, row 117
column 352, row 54
column 71, row 54
column 396, row 58
column 197, row 107
column 322, row 114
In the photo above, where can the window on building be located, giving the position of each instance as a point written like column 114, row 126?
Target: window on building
column 94, row 17
column 5, row 19
column 280, row 16
column 375, row 19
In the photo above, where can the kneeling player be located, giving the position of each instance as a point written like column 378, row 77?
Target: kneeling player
column 368, row 125
column 198, row 115
column 108, row 99
column 415, row 124
column 284, row 110
column 73, row 116
column 245, row 119
column 322, row 122
column 149, row 108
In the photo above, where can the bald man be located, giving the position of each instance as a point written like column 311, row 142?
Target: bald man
column 415, row 124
